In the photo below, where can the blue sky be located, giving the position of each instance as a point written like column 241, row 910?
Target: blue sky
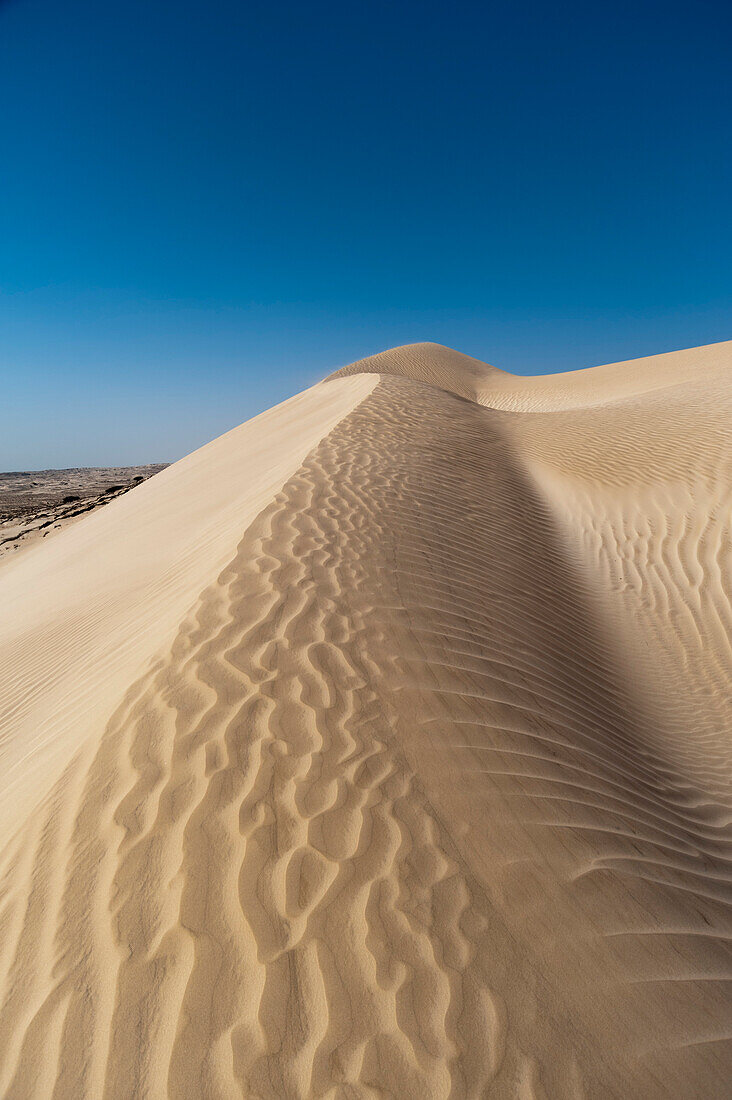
column 206, row 207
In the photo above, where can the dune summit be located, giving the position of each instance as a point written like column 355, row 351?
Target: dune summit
column 381, row 748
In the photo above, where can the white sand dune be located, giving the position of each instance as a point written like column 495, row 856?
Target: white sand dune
column 382, row 748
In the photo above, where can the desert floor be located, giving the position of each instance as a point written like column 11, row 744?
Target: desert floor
column 381, row 748
column 35, row 505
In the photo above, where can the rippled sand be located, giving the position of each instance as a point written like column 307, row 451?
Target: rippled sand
column 382, row 748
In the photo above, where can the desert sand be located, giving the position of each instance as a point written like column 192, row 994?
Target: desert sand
column 381, row 748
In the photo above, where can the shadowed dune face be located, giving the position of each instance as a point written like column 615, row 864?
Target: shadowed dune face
column 430, row 793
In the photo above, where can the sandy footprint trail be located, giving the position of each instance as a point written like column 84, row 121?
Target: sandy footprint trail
column 388, row 758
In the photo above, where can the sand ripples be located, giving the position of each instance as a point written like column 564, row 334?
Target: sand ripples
column 392, row 816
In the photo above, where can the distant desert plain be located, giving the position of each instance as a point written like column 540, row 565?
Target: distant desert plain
column 36, row 504
column 380, row 748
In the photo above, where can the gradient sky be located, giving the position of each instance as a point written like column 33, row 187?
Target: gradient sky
column 206, row 207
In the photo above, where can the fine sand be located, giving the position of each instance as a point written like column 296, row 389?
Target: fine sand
column 381, row 748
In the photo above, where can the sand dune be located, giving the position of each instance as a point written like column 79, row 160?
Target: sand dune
column 382, row 748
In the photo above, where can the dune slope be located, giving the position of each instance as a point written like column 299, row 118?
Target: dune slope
column 389, row 756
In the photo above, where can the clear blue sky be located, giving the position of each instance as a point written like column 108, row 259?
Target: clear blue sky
column 204, row 207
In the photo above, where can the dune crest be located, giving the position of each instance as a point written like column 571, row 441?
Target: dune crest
column 382, row 748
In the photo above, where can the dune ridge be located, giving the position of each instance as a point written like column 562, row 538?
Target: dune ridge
column 426, row 791
column 83, row 616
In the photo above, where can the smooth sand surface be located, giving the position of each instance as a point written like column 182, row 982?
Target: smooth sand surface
column 382, row 748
